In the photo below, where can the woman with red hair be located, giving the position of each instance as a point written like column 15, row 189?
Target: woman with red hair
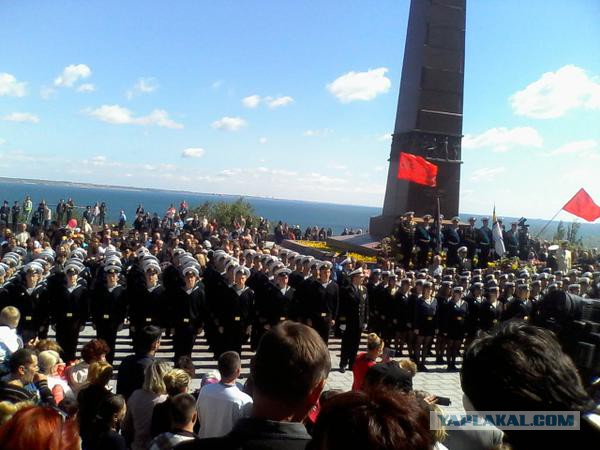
column 39, row 428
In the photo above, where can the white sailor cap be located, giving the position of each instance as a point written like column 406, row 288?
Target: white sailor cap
column 22, row 252
column 282, row 271
column 325, row 265
column 2, row 270
column 112, row 268
column 232, row 263
column 207, row 244
column 34, row 267
column 574, row 286
column 71, row 266
column 315, row 264
column 360, row 272
column 11, row 260
column 461, row 249
column 113, row 260
column 346, row 261
column 307, row 259
column 248, row 251
column 149, row 257
column 46, row 256
column 152, row 265
column 191, row 269
column 242, row 269
column 376, row 271
column 80, row 253
column 141, row 252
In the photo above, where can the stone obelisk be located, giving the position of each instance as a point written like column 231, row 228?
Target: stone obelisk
column 429, row 114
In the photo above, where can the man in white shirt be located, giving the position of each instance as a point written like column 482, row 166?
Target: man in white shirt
column 10, row 342
column 220, row 405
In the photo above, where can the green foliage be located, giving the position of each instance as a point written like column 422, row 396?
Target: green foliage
column 226, row 213
column 572, row 232
column 560, row 232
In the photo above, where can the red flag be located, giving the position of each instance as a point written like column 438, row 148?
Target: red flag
column 416, row 169
column 583, row 206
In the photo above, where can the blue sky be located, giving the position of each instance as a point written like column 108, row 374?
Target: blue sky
column 293, row 99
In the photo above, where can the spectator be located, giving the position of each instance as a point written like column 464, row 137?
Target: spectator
column 183, row 417
column 91, row 396
column 378, row 420
column 39, row 428
column 221, row 404
column 529, row 372
column 388, row 375
column 50, row 362
column 133, row 368
column 104, row 434
column 23, row 368
column 138, row 420
column 10, row 342
column 177, row 381
column 95, row 350
column 289, row 372
column 367, row 359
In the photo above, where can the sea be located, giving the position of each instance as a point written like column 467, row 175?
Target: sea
column 293, row 212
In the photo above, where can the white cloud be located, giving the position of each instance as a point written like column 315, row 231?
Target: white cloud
column 229, row 123
column 119, row 115
column 486, row 173
column 192, row 152
column 360, row 85
column 582, row 149
column 318, row 133
column 21, row 117
column 217, row 84
column 387, row 137
column 262, row 140
column 2, row 141
column 252, row 101
column 279, row 101
column 47, row 92
column 72, row 74
column 142, row 86
column 86, row 87
column 556, row 93
column 9, row 86
column 502, row 139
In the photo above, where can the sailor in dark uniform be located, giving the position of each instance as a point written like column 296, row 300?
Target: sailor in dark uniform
column 485, row 242
column 468, row 238
column 386, row 303
column 520, row 306
column 354, row 302
column 511, row 240
column 259, row 282
column 452, row 242
column 405, row 236
column 69, row 307
column 26, row 293
column 108, row 306
column 490, row 313
column 474, row 299
column 455, row 329
column 296, row 277
column 399, row 316
column 425, row 324
column 146, row 308
column 375, row 303
column 187, row 312
column 322, row 302
column 283, row 296
column 235, row 313
column 443, row 299
column 423, row 241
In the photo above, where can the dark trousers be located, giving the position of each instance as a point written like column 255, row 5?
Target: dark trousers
column 108, row 333
column 322, row 325
column 183, row 340
column 350, row 343
column 67, row 334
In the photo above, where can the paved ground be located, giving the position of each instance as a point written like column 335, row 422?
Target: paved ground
column 437, row 381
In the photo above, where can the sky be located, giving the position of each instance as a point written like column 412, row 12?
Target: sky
column 293, row 100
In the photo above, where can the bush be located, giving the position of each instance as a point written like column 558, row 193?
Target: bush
column 226, row 213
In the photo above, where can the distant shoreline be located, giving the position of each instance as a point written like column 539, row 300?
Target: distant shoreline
column 26, row 181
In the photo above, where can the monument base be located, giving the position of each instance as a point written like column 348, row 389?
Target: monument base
column 382, row 226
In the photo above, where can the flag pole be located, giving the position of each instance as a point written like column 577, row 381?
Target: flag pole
column 548, row 223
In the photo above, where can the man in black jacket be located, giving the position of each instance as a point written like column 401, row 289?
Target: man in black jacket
column 354, row 305
column 289, row 372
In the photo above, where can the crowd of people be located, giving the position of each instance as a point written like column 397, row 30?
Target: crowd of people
column 229, row 285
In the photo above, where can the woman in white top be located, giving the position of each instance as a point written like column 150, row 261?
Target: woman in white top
column 138, row 420
column 50, row 362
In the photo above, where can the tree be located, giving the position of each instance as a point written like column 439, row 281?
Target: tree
column 572, row 232
column 560, row 231
column 226, row 213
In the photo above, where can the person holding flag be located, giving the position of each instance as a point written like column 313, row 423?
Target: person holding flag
column 497, row 235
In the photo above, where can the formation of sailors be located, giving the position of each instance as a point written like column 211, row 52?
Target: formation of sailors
column 235, row 300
